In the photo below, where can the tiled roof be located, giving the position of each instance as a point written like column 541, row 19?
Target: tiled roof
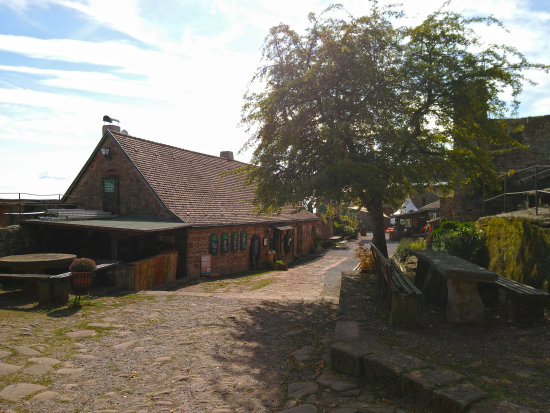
column 430, row 207
column 191, row 186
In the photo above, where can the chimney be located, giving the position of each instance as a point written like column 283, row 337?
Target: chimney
column 109, row 125
column 227, row 155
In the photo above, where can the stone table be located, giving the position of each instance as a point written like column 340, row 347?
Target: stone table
column 36, row 263
column 464, row 305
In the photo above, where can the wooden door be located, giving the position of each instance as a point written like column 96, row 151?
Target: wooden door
column 110, row 194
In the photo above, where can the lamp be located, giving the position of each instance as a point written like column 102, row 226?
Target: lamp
column 105, row 151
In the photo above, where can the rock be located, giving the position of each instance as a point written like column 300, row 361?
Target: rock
column 222, row 411
column 164, row 403
column 418, row 386
column 26, row 351
column 180, row 378
column 311, row 398
column 80, row 333
column 343, row 385
column 123, row 346
column 47, row 395
column 301, row 389
column 457, row 399
column 70, row 371
column 304, row 408
column 351, row 393
column 293, row 333
column 347, row 358
column 38, row 369
column 8, row 368
column 4, row 354
column 138, row 349
column 387, row 367
column 15, row 391
column 163, row 359
column 79, row 345
column 505, row 406
column 65, row 399
column 45, row 360
column 109, row 319
column 303, row 354
column 103, row 325
column 290, row 403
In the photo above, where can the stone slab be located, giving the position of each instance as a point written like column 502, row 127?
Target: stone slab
column 163, row 359
column 26, row 351
column 418, row 386
column 503, row 407
column 70, row 371
column 38, row 369
column 123, row 346
column 304, row 353
column 304, row 408
column 47, row 395
column 4, row 354
column 345, row 410
column 387, row 368
column 346, row 331
column 103, row 325
column 15, row 392
column 301, row 389
column 84, row 357
column 343, row 385
column 457, row 399
column 45, row 360
column 8, row 368
column 80, row 333
column 347, row 358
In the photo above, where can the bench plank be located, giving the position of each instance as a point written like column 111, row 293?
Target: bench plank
column 405, row 285
column 25, row 276
column 518, row 288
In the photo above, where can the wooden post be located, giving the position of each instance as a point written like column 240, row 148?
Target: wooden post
column 114, row 247
column 536, row 190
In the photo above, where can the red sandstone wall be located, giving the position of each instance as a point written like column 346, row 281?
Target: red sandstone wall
column 198, row 239
column 135, row 197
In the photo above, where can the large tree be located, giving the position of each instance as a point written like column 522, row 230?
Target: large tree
column 358, row 108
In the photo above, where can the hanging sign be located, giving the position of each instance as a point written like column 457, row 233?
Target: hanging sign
column 234, row 241
column 225, row 243
column 109, row 185
column 255, row 247
column 206, row 266
column 244, row 243
column 287, row 242
column 214, row 244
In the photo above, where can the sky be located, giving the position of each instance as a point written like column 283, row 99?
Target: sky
column 172, row 71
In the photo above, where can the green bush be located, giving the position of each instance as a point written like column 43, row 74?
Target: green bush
column 348, row 230
column 406, row 245
column 462, row 240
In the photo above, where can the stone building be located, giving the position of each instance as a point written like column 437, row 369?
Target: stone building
column 166, row 198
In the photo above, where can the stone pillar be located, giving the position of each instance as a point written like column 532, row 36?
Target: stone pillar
column 464, row 305
column 44, row 291
column 60, row 290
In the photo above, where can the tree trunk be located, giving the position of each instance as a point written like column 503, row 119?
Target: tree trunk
column 376, row 213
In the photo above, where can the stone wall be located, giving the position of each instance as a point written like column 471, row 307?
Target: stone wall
column 16, row 240
column 135, row 197
column 198, row 242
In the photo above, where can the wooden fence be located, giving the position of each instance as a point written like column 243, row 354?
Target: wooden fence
column 154, row 271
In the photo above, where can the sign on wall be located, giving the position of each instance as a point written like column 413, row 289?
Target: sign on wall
column 109, row 185
column 225, row 243
column 206, row 266
column 214, row 245
column 244, row 242
column 234, row 241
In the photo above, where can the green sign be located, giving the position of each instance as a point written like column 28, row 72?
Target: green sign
column 225, row 243
column 244, row 243
column 109, row 185
column 214, row 246
column 234, row 241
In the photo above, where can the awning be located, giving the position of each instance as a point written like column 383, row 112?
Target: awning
column 121, row 224
column 284, row 228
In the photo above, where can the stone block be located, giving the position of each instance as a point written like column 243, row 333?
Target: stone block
column 403, row 310
column 388, row 367
column 457, row 399
column 418, row 386
column 346, row 331
column 464, row 305
column 300, row 389
column 347, row 358
column 505, row 406
column 44, row 291
column 60, row 291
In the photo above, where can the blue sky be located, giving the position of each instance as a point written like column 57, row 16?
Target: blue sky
column 173, row 71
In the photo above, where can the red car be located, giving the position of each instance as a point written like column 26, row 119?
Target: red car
column 389, row 229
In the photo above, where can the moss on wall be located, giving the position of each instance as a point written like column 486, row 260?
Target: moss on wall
column 519, row 249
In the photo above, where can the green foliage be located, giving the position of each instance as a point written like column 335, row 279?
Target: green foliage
column 366, row 260
column 348, row 230
column 279, row 263
column 518, row 249
column 269, row 264
column 402, row 251
column 462, row 240
column 360, row 109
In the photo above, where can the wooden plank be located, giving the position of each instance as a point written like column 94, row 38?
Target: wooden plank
column 518, row 288
column 158, row 271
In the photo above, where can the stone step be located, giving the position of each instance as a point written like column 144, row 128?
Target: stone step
column 347, row 358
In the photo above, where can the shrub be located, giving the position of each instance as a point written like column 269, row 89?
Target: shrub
column 82, row 265
column 349, row 231
column 279, row 263
column 366, row 260
column 462, row 240
column 406, row 245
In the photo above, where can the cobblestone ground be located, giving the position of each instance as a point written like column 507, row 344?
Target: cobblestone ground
column 255, row 343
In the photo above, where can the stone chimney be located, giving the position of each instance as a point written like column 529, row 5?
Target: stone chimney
column 108, row 125
column 227, row 155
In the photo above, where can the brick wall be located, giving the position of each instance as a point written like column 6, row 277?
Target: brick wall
column 135, row 197
column 198, row 240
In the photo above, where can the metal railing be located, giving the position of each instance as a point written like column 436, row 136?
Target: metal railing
column 19, row 199
column 508, row 178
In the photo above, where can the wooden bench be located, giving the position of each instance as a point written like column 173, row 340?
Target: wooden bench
column 402, row 295
column 522, row 301
column 51, row 288
column 439, row 273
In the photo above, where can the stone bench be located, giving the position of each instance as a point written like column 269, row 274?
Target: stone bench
column 461, row 278
column 522, row 301
column 400, row 292
column 51, row 288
